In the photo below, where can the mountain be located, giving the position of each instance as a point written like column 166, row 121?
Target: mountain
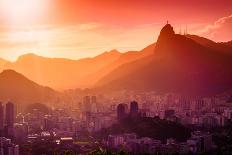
column 229, row 43
column 225, row 47
column 60, row 73
column 179, row 64
column 124, row 58
column 2, row 63
column 17, row 88
column 161, row 129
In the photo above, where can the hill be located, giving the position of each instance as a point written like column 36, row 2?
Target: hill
column 60, row 73
column 2, row 63
column 179, row 64
column 124, row 58
column 224, row 47
column 148, row 127
column 18, row 89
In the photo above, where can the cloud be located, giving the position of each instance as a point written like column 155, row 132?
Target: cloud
column 220, row 30
column 74, row 41
column 90, row 26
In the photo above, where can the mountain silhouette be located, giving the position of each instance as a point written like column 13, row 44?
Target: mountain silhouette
column 3, row 62
column 180, row 64
column 60, row 73
column 17, row 88
column 225, row 47
column 124, row 58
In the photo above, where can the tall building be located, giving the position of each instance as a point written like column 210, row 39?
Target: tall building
column 87, row 104
column 94, row 104
column 94, row 99
column 10, row 114
column 134, row 109
column 48, row 123
column 1, row 117
column 121, row 111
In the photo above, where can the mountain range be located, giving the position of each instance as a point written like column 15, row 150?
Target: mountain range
column 61, row 74
column 186, row 64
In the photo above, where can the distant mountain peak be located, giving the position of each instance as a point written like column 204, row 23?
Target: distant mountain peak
column 9, row 74
column 3, row 62
column 114, row 51
column 166, row 32
column 111, row 52
column 1, row 59
column 8, row 71
column 168, row 29
column 27, row 56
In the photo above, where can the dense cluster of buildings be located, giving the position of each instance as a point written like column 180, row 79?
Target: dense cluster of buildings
column 198, row 142
column 65, row 122
column 205, row 112
column 7, row 147
column 93, row 113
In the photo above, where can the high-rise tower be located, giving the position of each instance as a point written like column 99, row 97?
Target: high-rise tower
column 1, row 117
column 10, row 114
column 134, row 108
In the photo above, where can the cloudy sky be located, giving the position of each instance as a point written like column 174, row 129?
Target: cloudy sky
column 83, row 28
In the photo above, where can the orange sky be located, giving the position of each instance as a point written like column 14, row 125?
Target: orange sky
column 82, row 28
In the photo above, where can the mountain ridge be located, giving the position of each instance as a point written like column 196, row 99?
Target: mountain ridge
column 23, row 91
column 53, row 72
column 179, row 64
column 62, row 73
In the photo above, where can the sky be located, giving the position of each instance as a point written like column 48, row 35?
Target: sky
column 85, row 28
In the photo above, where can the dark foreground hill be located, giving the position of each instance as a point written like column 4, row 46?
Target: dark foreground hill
column 148, row 127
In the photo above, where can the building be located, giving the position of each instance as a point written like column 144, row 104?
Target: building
column 1, row 118
column 228, row 113
column 115, row 141
column 94, row 105
column 134, row 109
column 121, row 111
column 48, row 123
column 10, row 116
column 203, row 140
column 93, row 99
column 87, row 104
column 169, row 113
column 7, row 147
column 20, row 132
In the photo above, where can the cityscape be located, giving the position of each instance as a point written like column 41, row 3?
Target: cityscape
column 163, row 84
column 169, row 123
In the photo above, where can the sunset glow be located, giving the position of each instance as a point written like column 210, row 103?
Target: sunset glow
column 83, row 28
column 124, row 77
column 22, row 11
